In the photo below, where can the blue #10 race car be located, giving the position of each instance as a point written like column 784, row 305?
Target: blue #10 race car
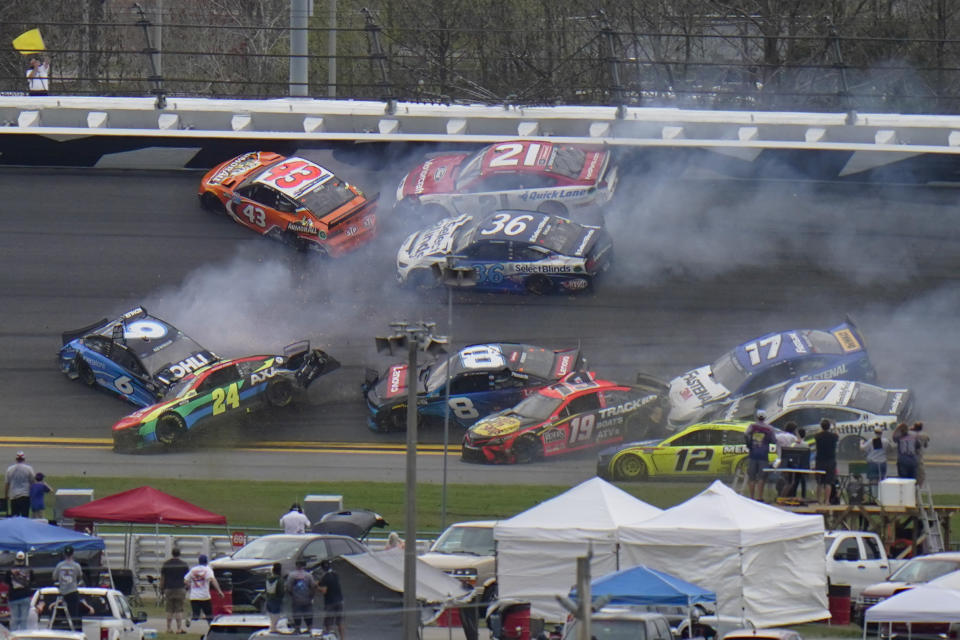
column 483, row 378
column 771, row 359
column 512, row 251
column 137, row 356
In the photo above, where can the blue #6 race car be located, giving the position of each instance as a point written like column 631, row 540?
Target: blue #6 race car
column 507, row 251
column 137, row 356
column 774, row 358
column 483, row 378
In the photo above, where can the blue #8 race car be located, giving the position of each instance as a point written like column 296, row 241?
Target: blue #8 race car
column 512, row 251
column 137, row 356
column 483, row 378
column 771, row 359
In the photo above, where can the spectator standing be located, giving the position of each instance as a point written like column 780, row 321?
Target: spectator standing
column 826, row 444
column 38, row 77
column 923, row 441
column 788, row 439
column 20, row 585
column 294, row 521
column 19, row 477
column 332, row 599
column 302, row 587
column 759, row 436
column 198, row 581
column 172, row 585
column 906, row 442
column 68, row 576
column 273, row 590
column 38, row 490
column 876, row 449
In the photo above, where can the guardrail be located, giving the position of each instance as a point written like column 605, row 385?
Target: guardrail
column 103, row 132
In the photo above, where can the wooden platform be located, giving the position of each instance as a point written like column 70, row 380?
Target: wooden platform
column 884, row 521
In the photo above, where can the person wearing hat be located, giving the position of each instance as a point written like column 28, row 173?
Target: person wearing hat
column 68, row 576
column 759, row 437
column 198, row 581
column 876, row 449
column 19, row 591
column 19, row 477
column 294, row 521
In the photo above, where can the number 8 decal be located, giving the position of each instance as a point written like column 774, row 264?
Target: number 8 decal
column 463, row 408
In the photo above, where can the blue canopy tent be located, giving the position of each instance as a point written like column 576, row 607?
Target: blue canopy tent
column 644, row 586
column 24, row 534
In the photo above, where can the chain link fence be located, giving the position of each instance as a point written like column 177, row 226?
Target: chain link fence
column 817, row 55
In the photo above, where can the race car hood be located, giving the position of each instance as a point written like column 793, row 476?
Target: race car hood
column 692, row 390
column 173, row 371
column 436, row 175
column 501, row 424
column 433, row 241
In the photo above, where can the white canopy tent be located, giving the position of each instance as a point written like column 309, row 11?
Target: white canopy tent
column 765, row 564
column 922, row 604
column 537, row 549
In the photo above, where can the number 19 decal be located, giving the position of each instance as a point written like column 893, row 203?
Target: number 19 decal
column 222, row 398
column 581, row 428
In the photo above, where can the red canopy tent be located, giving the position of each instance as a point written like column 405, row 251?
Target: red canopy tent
column 144, row 505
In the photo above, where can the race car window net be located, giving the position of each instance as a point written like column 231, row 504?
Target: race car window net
column 728, row 372
column 471, row 169
column 563, row 237
column 567, row 161
column 869, row 398
column 179, row 349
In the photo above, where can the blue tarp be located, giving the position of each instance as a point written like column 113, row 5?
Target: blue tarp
column 24, row 534
column 644, row 586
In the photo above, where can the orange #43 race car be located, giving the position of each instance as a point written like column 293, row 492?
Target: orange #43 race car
column 290, row 199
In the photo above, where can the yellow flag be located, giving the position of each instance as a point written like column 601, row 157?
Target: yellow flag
column 29, row 43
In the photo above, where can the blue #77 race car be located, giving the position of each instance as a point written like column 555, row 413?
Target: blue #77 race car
column 137, row 356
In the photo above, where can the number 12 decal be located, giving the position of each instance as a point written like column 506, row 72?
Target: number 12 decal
column 694, row 460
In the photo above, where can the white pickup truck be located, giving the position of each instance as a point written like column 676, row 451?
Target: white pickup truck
column 105, row 616
column 858, row 559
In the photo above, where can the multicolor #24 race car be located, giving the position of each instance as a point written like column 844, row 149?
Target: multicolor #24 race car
column 579, row 413
column 290, row 199
column 137, row 356
column 222, row 393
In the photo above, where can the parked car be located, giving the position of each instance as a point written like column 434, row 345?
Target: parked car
column 858, row 559
column 236, row 626
column 249, row 565
column 918, row 570
column 465, row 550
column 763, row 634
column 618, row 623
column 111, row 619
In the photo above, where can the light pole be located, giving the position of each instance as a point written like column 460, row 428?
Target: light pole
column 415, row 337
column 452, row 276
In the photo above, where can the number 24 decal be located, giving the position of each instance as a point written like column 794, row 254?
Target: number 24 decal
column 222, row 398
column 694, row 460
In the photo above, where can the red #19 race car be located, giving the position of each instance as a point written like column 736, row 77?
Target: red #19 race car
column 290, row 199
column 579, row 413
column 558, row 179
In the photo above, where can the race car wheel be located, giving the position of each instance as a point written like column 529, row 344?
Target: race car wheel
column 740, row 473
column 538, row 284
column 527, row 449
column 211, row 203
column 86, row 374
column 553, row 208
column 170, row 428
column 849, row 448
column 280, row 393
column 630, row 467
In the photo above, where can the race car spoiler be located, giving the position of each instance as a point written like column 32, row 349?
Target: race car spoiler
column 366, row 208
column 69, row 336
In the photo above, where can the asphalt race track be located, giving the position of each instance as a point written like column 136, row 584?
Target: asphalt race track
column 700, row 266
